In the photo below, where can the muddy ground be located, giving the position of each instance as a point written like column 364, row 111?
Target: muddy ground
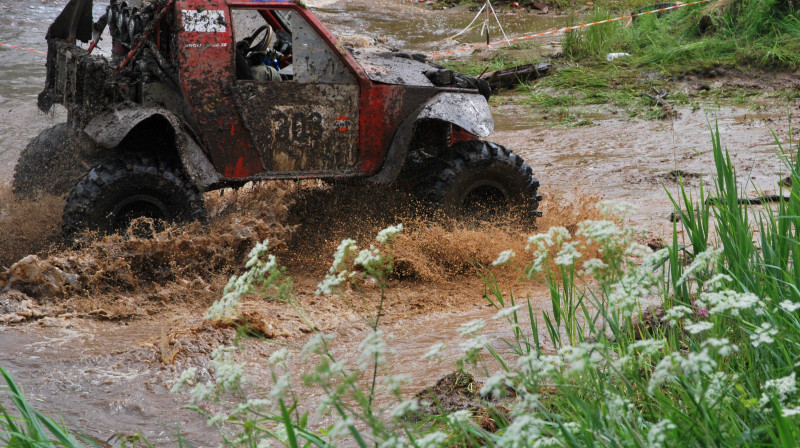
column 98, row 333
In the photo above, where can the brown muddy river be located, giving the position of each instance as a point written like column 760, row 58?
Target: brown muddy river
column 101, row 375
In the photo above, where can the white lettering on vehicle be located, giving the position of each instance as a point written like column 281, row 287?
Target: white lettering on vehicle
column 208, row 21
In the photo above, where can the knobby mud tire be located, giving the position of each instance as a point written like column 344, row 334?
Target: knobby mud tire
column 484, row 178
column 53, row 162
column 116, row 191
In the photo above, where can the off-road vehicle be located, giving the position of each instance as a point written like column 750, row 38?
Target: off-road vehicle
column 204, row 94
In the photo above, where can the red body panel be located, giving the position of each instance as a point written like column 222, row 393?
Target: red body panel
column 206, row 61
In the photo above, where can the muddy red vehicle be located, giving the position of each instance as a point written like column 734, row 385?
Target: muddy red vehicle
column 205, row 94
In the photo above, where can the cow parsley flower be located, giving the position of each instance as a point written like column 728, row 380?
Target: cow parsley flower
column 346, row 247
column 717, row 282
column 316, row 344
column 471, row 327
column 460, row 417
column 331, row 281
column 581, row 357
column 373, row 349
column 258, row 251
column 790, row 412
column 717, row 387
column 676, row 314
column 567, row 255
column 722, row 346
column 618, row 408
column 405, row 407
column 504, row 257
column 615, row 208
column 789, row 306
column 369, row 259
column 782, row 388
column 697, row 363
column 709, row 258
column 698, row 327
column 505, row 312
column 727, row 302
column 432, row 440
column 763, row 335
column 186, row 379
column 664, row 371
column 389, row 233
column 592, row 266
column 539, row 366
column 433, row 351
column 282, row 384
column 521, row 433
column 474, row 344
column 395, row 382
column 495, row 385
column 605, row 233
column 394, row 442
column 279, row 357
column 657, row 436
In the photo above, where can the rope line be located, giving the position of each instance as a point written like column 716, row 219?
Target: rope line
column 565, row 29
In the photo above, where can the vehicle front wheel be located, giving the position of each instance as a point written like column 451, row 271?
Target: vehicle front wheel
column 483, row 178
column 117, row 191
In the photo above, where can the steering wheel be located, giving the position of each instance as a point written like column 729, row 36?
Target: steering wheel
column 246, row 45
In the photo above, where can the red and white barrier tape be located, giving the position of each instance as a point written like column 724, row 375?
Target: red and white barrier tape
column 21, row 48
column 569, row 28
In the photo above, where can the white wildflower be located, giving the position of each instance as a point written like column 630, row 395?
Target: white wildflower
column 433, row 351
column 317, row 344
column 763, row 334
column 697, row 327
column 505, row 312
column 658, row 434
column 405, row 407
column 615, row 208
column 432, row 440
column 717, row 387
column 664, row 371
column 727, row 302
column 504, row 257
column 258, row 251
column 202, row 392
column 790, row 412
column 216, row 419
column 581, row 357
column 394, row 442
column 605, row 233
column 547, row 442
column 495, row 385
column 282, row 384
column 527, row 403
column 460, row 417
column 373, row 349
column 647, row 347
column 471, row 327
column 331, row 281
column 346, row 247
column 592, row 266
column 395, row 382
column 618, row 408
column 789, row 306
column 567, row 255
column 279, row 357
column 717, row 282
column 676, row 314
column 701, row 261
column 340, row 428
column 782, row 388
column 389, row 233
column 638, row 250
column 539, row 366
column 697, row 363
column 722, row 346
column 521, row 433
column 186, row 379
column 474, row 344
column 369, row 259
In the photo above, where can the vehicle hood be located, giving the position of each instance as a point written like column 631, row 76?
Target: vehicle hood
column 394, row 67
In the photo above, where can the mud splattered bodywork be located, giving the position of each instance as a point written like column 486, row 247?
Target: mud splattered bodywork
column 333, row 114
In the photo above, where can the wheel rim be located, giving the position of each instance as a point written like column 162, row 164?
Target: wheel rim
column 138, row 206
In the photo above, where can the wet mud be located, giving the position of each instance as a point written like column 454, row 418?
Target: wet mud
column 99, row 332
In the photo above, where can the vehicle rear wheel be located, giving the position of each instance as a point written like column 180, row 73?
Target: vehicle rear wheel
column 483, row 178
column 53, row 161
column 117, row 191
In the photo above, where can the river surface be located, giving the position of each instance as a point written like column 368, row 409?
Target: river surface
column 97, row 375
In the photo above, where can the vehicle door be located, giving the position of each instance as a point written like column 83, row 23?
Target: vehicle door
column 300, row 99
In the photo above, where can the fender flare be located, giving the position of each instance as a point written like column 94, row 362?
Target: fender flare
column 109, row 129
column 469, row 111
